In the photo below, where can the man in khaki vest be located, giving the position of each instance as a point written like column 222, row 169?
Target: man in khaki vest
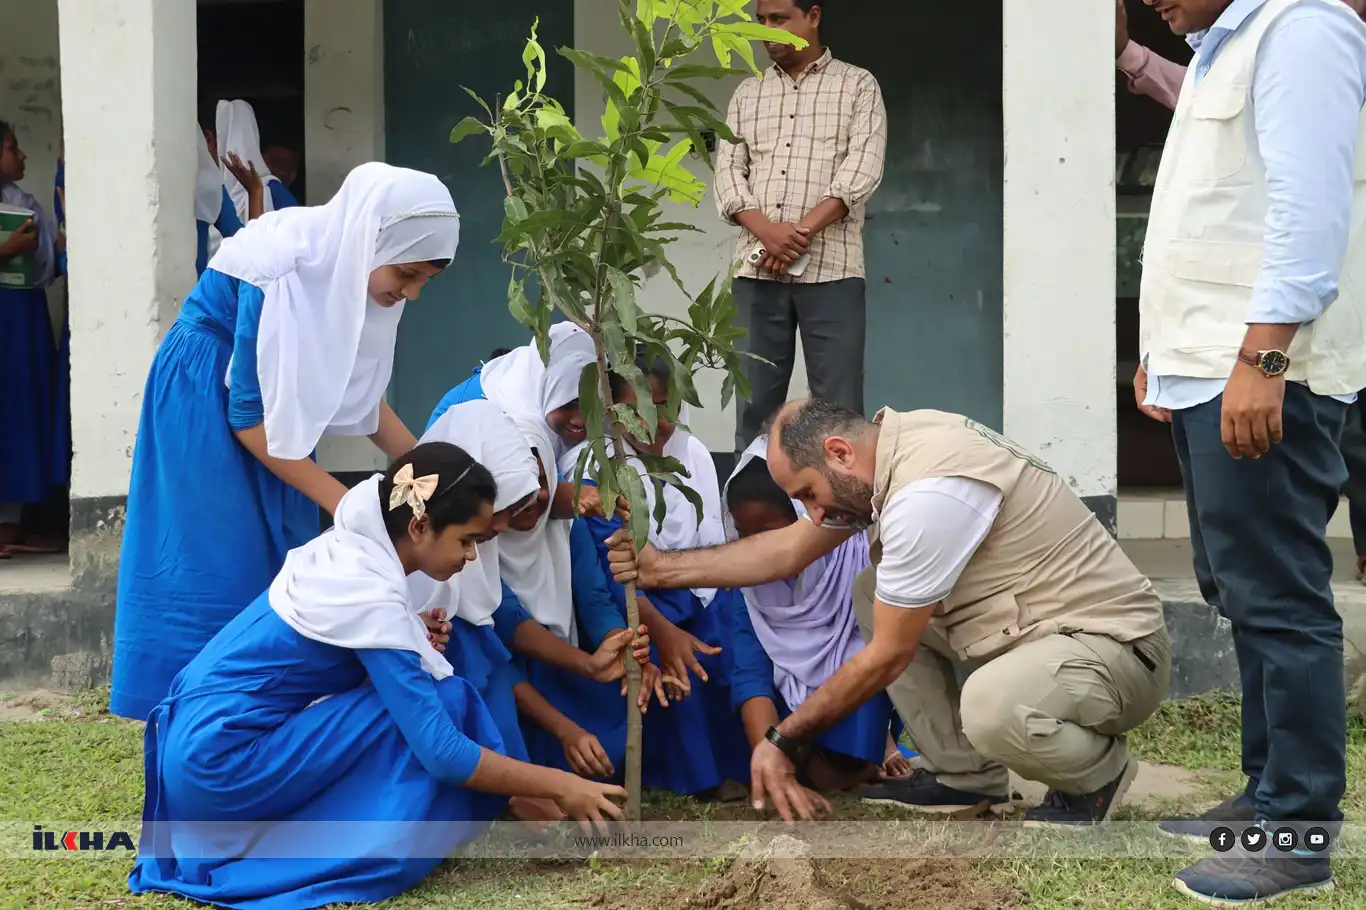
column 984, row 561
column 1252, row 333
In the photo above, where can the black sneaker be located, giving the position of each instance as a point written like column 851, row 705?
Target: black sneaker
column 1239, row 880
column 1065, row 810
column 922, row 792
column 1238, row 810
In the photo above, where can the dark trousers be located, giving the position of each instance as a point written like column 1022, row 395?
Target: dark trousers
column 1258, row 530
column 832, row 319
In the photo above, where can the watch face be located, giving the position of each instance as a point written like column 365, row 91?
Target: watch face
column 1274, row 363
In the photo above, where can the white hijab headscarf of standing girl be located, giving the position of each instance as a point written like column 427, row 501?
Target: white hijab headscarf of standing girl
column 325, row 350
column 493, row 440
column 238, row 134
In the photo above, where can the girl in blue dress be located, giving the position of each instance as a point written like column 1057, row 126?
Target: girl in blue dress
column 698, row 743
column 319, row 750
column 32, row 421
column 519, row 666
column 289, row 335
column 792, row 635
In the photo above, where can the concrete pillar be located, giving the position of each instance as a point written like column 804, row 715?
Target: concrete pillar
column 128, row 103
column 1059, row 309
column 343, row 127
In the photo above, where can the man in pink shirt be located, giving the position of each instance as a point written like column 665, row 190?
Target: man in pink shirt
column 1155, row 76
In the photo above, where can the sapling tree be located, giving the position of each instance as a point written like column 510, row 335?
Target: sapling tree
column 584, row 222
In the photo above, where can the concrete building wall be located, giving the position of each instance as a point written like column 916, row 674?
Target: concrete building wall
column 1059, row 336
column 30, row 87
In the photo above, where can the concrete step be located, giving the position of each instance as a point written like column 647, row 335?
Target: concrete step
column 1203, row 659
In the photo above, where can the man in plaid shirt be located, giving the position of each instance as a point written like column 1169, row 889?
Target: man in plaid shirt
column 813, row 140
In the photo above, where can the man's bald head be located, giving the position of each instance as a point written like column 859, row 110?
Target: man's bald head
column 823, row 454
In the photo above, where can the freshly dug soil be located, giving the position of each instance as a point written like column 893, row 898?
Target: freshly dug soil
column 782, row 876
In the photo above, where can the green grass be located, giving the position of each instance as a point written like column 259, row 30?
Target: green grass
column 88, row 767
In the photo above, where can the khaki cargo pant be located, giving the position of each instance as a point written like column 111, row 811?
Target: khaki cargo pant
column 1053, row 710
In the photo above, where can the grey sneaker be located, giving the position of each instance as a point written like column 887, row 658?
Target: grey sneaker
column 1233, row 812
column 1236, row 881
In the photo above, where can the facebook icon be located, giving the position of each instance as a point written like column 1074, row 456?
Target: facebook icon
column 1221, row 840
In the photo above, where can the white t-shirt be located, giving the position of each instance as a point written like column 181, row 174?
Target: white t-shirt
column 929, row 531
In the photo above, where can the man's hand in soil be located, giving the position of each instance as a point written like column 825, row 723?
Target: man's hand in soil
column 773, row 778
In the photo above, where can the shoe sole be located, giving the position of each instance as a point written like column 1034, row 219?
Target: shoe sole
column 1125, row 781
column 1320, row 888
column 996, row 809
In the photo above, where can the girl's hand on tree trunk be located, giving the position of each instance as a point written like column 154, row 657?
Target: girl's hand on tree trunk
column 607, row 663
column 591, row 804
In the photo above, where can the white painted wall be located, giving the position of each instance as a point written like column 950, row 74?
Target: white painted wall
column 1059, row 333
column 30, row 87
column 343, row 127
column 698, row 257
column 129, row 108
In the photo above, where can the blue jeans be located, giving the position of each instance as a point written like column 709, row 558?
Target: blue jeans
column 1258, row 533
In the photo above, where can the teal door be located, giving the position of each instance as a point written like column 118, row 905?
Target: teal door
column 431, row 49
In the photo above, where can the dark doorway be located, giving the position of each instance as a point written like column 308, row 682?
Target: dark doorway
column 254, row 50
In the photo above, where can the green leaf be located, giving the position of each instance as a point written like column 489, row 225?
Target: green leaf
column 625, row 415
column 689, row 71
column 482, row 103
column 467, row 127
column 696, row 94
column 630, row 483
column 624, row 299
column 688, row 493
column 518, row 305
column 533, row 55
column 595, row 63
column 590, row 398
column 585, row 149
column 753, row 31
column 548, row 119
column 514, row 208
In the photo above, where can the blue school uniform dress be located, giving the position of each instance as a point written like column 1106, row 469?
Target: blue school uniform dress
column 696, row 744
column 478, row 655
column 227, row 225
column 208, row 525
column 32, row 422
column 243, row 739
column 597, row 707
column 862, row 734
column 280, row 196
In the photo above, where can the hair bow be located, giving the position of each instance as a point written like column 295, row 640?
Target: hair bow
column 413, row 491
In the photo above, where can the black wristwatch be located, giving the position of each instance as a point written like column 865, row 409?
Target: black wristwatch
column 798, row 751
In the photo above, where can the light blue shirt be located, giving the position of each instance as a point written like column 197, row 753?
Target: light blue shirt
column 1307, row 94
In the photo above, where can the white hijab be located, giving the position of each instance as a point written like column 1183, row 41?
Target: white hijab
column 527, row 388
column 536, row 563
column 325, row 350
column 208, row 190
column 494, row 441
column 238, row 133
column 347, row 587
column 680, row 530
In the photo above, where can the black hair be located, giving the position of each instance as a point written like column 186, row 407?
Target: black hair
column 6, row 129
column 439, row 263
column 803, row 429
column 658, row 369
column 499, row 352
column 805, row 5
column 755, row 484
column 463, row 486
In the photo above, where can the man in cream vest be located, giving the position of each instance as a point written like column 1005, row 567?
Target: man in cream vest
column 984, row 562
column 1253, row 341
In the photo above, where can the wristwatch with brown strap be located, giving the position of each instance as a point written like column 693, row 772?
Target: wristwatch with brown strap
column 1271, row 363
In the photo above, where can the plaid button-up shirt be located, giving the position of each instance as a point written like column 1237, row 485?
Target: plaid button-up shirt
column 822, row 135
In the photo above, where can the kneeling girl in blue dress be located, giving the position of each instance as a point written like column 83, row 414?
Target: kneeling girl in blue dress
column 792, row 635
column 319, row 750
column 289, row 335
column 698, row 743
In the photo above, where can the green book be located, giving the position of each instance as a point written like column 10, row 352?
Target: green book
column 17, row 272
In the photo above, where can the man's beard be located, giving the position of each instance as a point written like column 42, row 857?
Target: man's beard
column 854, row 498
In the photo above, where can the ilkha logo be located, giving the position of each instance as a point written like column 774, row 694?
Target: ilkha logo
column 80, row 840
